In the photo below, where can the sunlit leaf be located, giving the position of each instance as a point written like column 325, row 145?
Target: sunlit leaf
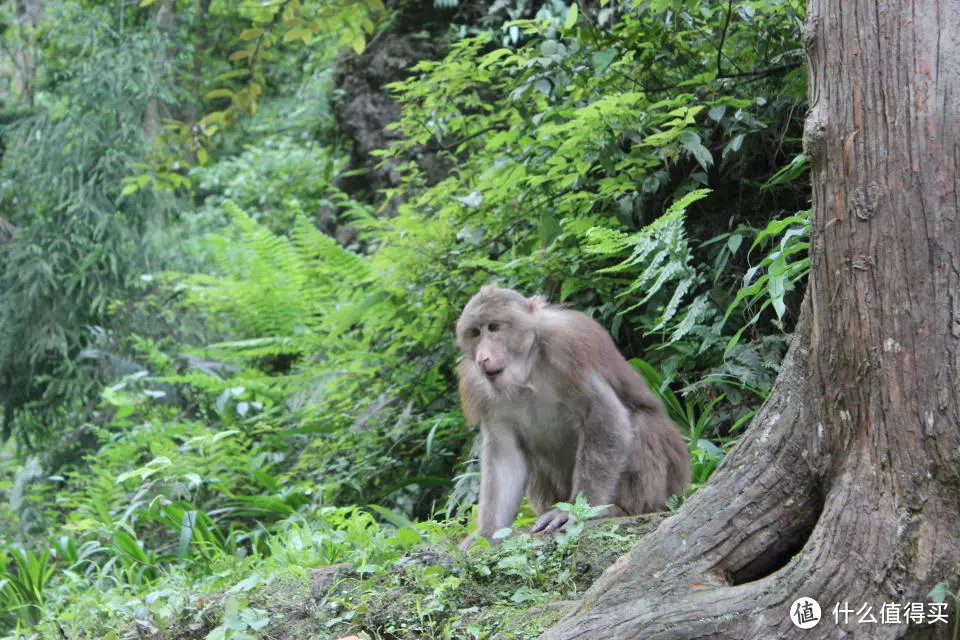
column 572, row 14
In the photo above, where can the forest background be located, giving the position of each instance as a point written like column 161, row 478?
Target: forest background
column 235, row 237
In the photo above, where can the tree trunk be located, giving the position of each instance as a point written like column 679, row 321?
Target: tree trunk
column 155, row 111
column 846, row 487
column 27, row 15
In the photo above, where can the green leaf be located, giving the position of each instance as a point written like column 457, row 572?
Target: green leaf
column 717, row 112
column 126, row 544
column 569, row 286
column 572, row 14
column 394, row 518
column 298, row 33
column 186, row 532
column 734, row 242
column 231, row 608
column 602, row 59
column 690, row 141
column 220, row 93
column 940, row 592
column 255, row 619
column 405, row 537
column 359, row 43
column 682, row 203
column 247, row 584
column 473, row 199
column 549, row 228
column 733, row 146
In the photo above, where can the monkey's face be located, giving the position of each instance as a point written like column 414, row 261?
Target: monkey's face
column 497, row 333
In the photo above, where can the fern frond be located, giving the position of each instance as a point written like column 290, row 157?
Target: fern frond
column 659, row 262
column 281, row 289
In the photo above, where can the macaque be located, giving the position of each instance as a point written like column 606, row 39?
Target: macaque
column 561, row 412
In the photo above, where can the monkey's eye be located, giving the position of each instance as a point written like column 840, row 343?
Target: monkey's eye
column 475, row 332
column 493, row 327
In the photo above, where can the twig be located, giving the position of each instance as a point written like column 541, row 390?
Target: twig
column 760, row 72
column 446, row 147
column 723, row 37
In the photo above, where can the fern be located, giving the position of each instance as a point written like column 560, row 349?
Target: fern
column 272, row 286
column 659, row 262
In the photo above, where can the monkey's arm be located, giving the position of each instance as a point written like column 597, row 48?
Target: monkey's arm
column 603, row 447
column 503, row 478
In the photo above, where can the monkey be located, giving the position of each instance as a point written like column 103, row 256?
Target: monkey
column 560, row 412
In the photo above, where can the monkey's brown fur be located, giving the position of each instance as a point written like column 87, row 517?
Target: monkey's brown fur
column 561, row 412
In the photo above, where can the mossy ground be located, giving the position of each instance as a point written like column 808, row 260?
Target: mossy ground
column 515, row 590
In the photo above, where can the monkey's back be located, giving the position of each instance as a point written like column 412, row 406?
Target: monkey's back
column 580, row 345
column 658, row 465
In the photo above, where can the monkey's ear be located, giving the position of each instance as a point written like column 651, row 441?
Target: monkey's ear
column 535, row 303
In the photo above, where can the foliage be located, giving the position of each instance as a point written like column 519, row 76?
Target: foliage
column 22, row 589
column 662, row 256
column 268, row 29
column 356, row 575
column 282, row 178
column 275, row 286
column 564, row 159
column 785, row 266
column 79, row 240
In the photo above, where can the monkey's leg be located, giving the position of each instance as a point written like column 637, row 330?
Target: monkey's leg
column 543, row 491
column 603, row 448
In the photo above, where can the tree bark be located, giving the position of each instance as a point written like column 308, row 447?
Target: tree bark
column 846, row 486
column 27, row 16
column 155, row 111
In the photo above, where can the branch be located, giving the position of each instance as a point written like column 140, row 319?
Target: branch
column 274, row 21
column 439, row 146
column 761, row 72
column 723, row 36
column 756, row 74
column 743, row 74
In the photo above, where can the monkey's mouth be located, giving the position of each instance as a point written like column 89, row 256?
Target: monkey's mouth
column 493, row 373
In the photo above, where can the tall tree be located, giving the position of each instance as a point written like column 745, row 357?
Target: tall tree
column 846, row 487
column 80, row 238
column 18, row 42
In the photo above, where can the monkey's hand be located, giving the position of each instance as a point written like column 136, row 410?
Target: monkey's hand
column 552, row 520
